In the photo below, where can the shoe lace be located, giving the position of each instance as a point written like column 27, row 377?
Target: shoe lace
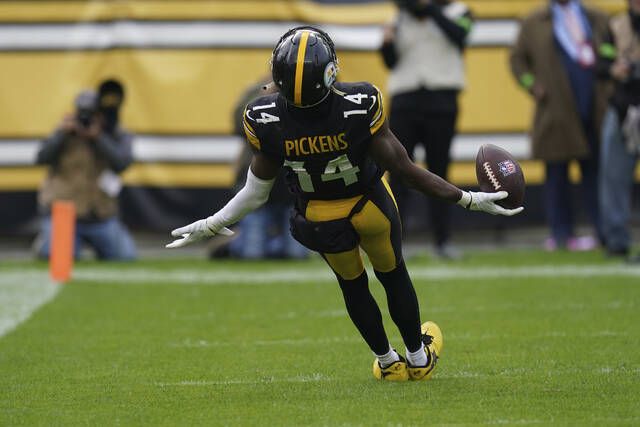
column 427, row 339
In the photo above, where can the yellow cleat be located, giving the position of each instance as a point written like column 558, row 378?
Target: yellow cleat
column 433, row 344
column 397, row 371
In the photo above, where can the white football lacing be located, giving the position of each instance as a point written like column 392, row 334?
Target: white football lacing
column 491, row 176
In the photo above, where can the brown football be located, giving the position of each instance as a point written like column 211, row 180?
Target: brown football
column 497, row 170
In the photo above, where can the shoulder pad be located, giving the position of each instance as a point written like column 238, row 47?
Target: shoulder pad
column 362, row 100
column 259, row 112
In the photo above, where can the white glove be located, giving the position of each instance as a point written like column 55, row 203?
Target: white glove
column 253, row 195
column 197, row 231
column 486, row 202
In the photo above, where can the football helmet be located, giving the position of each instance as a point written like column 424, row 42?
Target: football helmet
column 304, row 66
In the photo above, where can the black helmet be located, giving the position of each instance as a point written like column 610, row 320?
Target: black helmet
column 304, row 65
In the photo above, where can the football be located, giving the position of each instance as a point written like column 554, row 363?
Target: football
column 497, row 170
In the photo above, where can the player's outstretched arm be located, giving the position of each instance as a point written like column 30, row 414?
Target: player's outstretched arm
column 260, row 178
column 389, row 153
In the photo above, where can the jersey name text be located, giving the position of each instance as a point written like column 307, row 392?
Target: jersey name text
column 315, row 144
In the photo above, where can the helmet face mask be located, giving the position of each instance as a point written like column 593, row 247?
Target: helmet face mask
column 304, row 66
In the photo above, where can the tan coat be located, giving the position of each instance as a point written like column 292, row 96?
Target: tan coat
column 627, row 44
column 557, row 133
column 75, row 177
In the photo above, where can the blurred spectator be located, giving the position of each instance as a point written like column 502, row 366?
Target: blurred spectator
column 621, row 129
column 263, row 233
column 424, row 50
column 85, row 154
column 555, row 60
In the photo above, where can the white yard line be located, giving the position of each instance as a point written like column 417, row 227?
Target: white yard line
column 21, row 294
column 316, row 377
column 513, row 422
column 291, row 276
column 22, row 291
column 189, row 343
column 302, row 342
column 341, row 312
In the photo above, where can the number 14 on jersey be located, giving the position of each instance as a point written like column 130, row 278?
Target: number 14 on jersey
column 338, row 168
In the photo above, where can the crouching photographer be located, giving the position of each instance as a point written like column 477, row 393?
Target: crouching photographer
column 621, row 130
column 85, row 154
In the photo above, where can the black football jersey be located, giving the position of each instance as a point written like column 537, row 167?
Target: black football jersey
column 324, row 148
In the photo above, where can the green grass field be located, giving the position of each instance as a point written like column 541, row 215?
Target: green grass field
column 529, row 338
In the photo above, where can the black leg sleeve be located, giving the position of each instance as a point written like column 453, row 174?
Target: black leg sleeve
column 364, row 312
column 403, row 304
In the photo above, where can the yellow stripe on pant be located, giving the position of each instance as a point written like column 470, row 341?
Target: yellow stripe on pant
column 375, row 224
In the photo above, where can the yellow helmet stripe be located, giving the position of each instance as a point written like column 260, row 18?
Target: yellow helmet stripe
column 297, row 91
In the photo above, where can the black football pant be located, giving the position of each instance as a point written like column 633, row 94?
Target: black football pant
column 435, row 131
column 378, row 226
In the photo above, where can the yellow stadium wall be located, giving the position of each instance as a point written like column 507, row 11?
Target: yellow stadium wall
column 194, row 91
column 249, row 10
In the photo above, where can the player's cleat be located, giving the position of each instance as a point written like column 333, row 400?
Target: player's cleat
column 397, row 371
column 433, row 344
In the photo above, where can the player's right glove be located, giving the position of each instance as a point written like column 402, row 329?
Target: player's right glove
column 486, row 202
column 197, row 231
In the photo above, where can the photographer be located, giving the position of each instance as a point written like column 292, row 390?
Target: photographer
column 621, row 130
column 424, row 51
column 85, row 154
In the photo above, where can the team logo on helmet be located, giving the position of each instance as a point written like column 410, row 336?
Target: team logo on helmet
column 330, row 72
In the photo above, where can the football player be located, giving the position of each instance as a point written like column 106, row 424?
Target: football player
column 334, row 142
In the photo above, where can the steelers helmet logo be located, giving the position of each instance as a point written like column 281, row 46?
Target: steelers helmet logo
column 303, row 66
column 330, row 72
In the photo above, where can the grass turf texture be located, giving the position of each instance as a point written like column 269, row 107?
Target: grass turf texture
column 518, row 350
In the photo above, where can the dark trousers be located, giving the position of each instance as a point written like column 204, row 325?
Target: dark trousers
column 435, row 131
column 559, row 206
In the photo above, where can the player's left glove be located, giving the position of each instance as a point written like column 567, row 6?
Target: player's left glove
column 197, row 231
column 486, row 202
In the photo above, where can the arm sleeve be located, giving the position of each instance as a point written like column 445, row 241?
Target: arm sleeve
column 456, row 30
column 117, row 149
column 389, row 54
column 520, row 60
column 253, row 195
column 51, row 148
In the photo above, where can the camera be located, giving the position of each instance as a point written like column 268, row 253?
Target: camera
column 84, row 117
column 86, row 107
